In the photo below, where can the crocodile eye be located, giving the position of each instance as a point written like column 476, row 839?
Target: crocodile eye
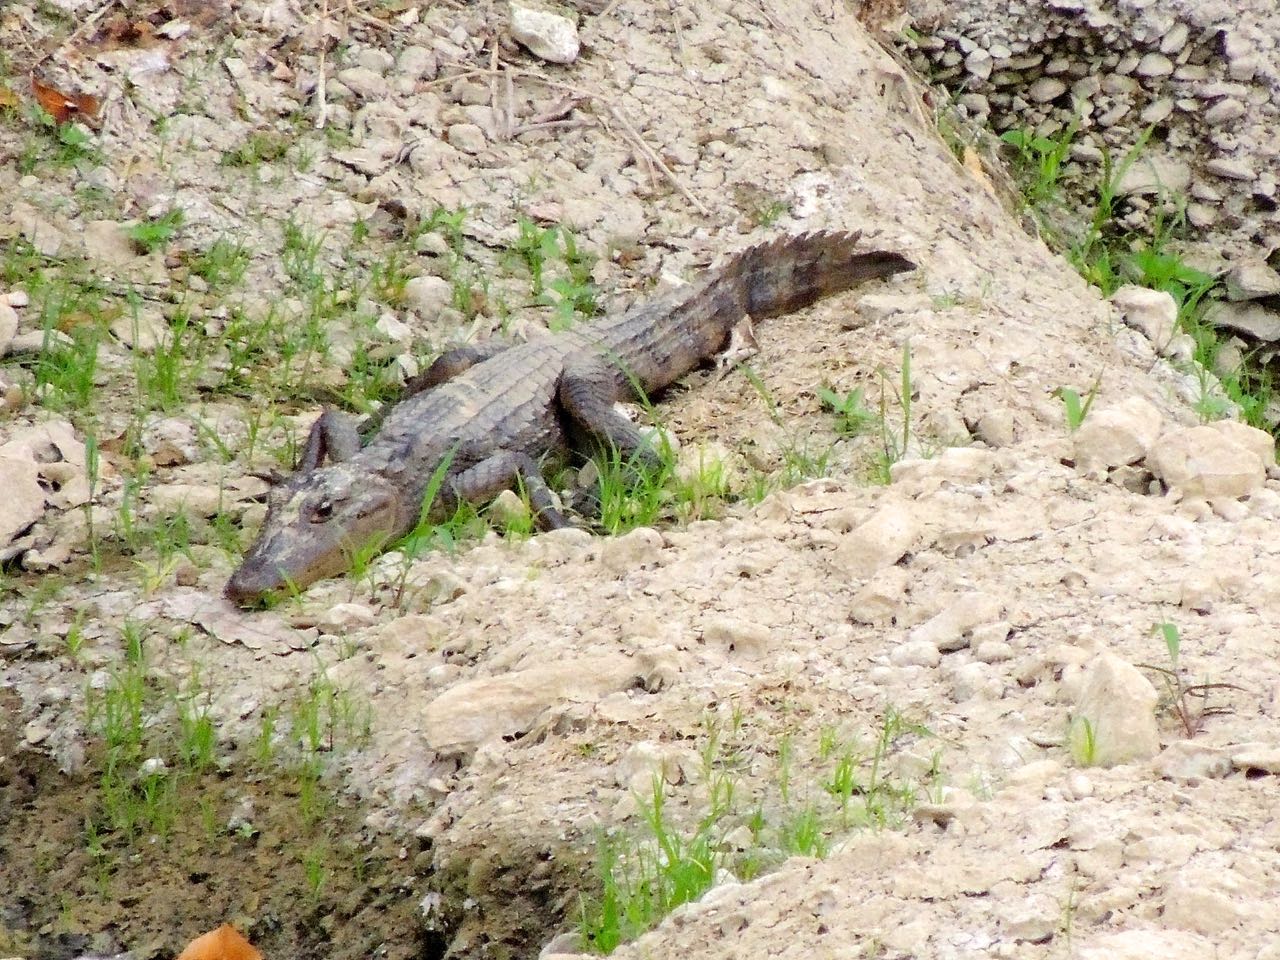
column 322, row 511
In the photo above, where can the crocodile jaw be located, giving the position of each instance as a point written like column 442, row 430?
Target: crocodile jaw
column 314, row 531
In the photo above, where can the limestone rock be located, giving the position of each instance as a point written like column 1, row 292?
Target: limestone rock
column 477, row 711
column 1118, row 435
column 548, row 36
column 1252, row 278
column 1209, row 461
column 1116, row 709
column 1252, row 319
column 1144, row 944
column 1188, row 760
column 1192, row 905
column 427, row 296
column 1153, row 312
column 8, row 325
column 951, row 629
column 23, row 502
column 879, row 541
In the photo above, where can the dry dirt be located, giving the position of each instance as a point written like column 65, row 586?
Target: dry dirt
column 522, row 691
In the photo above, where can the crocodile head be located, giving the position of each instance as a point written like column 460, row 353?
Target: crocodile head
column 316, row 524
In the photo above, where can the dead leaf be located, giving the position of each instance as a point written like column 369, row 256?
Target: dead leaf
column 225, row 943
column 8, row 98
column 973, row 163
column 64, row 107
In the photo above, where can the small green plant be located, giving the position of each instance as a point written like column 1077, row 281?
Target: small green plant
column 674, row 859
column 1076, row 409
column 223, row 265
column 151, row 235
column 1180, row 695
column 853, row 416
column 894, row 445
column 644, row 883
column 1083, row 741
column 1038, row 161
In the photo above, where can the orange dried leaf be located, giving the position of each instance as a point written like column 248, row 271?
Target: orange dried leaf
column 973, row 163
column 225, row 943
column 63, row 107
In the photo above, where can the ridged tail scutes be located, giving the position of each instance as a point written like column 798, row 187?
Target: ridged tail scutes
column 790, row 273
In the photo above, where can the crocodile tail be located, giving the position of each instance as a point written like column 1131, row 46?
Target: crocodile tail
column 792, row 272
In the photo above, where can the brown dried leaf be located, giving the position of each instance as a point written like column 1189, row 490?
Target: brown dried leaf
column 64, row 107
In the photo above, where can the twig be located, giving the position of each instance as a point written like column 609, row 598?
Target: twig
column 511, row 105
column 322, row 109
column 674, row 7
column 549, row 125
column 81, row 30
column 655, row 159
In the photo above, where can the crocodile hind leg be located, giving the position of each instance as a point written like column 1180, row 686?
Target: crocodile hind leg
column 587, row 391
column 453, row 362
column 501, row 471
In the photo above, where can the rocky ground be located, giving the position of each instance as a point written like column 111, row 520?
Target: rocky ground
column 467, row 730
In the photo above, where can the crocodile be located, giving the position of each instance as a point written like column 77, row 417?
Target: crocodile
column 488, row 416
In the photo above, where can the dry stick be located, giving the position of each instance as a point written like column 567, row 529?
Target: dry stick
column 511, row 104
column 493, row 91
column 617, row 114
column 322, row 109
column 655, row 159
column 79, row 31
column 647, row 153
column 674, row 7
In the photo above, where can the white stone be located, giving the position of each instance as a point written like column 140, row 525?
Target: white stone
column 1116, row 709
column 1252, row 278
column 474, row 712
column 1255, row 319
column 878, row 542
column 1175, row 39
column 1193, row 906
column 427, row 296
column 979, row 63
column 1154, row 65
column 1153, row 312
column 1155, row 174
column 548, row 36
column 1142, row 944
column 1206, row 462
column 364, row 83
column 737, row 635
column 1264, row 757
column 342, row 618
column 1224, row 111
column 8, row 325
column 466, row 137
column 23, row 502
column 1046, row 89
column 951, row 629
column 1117, row 435
column 637, row 548
column 1229, row 169
column 915, row 653
column 1188, row 760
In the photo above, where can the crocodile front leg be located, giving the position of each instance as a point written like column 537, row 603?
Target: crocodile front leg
column 333, row 436
column 499, row 472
